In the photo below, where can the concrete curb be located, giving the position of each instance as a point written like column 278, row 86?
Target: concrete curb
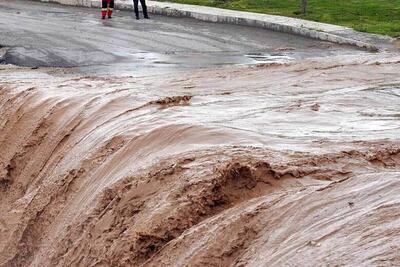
column 305, row 28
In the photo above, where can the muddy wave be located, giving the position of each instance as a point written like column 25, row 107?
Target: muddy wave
column 117, row 172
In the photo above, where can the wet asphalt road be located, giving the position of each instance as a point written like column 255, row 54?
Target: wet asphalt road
column 51, row 35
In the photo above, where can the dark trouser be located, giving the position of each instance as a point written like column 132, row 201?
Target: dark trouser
column 107, row 7
column 136, row 7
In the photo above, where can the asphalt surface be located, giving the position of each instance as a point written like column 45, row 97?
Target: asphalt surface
column 51, row 35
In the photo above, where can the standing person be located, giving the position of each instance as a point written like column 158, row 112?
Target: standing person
column 107, row 7
column 144, row 7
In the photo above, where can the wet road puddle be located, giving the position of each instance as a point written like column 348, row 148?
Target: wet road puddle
column 270, row 58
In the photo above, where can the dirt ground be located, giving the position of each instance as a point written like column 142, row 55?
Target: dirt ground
column 293, row 164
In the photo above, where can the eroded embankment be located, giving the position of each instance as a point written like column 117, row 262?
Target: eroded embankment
column 109, row 172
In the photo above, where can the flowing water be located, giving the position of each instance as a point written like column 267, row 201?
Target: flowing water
column 269, row 165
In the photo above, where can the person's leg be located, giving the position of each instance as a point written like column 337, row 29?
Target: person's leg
column 110, row 8
column 103, row 9
column 136, row 8
column 144, row 7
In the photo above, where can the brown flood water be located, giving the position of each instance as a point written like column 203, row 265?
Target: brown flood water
column 274, row 165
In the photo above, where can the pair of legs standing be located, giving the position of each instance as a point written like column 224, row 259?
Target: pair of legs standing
column 107, row 7
column 136, row 8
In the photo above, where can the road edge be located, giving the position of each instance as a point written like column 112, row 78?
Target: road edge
column 309, row 29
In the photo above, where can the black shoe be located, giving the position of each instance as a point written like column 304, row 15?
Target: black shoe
column 137, row 18
column 146, row 17
column 103, row 17
column 109, row 17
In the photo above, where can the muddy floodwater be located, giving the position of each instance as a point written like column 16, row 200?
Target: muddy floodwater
column 294, row 164
column 174, row 142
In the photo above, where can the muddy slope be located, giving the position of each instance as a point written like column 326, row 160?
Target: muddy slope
column 120, row 171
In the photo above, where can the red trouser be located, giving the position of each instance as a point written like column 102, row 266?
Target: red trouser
column 107, row 7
